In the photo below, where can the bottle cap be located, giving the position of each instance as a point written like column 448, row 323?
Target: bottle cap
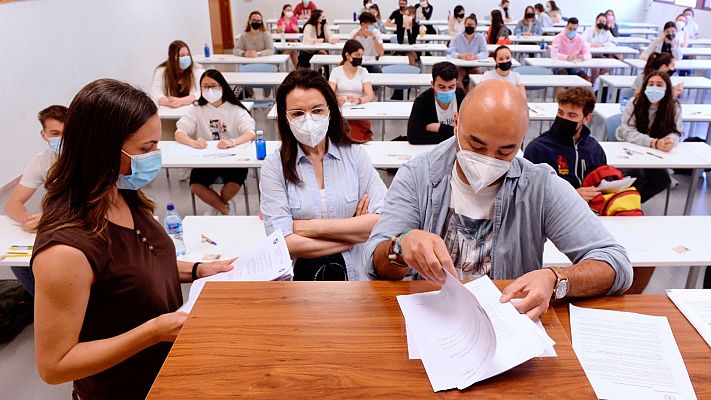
column 170, row 207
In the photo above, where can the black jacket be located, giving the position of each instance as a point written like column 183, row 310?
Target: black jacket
column 424, row 113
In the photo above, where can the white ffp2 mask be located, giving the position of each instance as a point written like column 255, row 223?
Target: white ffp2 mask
column 480, row 170
column 309, row 129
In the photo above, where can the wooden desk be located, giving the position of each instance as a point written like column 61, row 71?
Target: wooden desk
column 330, row 340
column 694, row 350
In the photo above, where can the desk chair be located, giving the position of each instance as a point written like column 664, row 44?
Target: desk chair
column 262, row 68
column 401, row 69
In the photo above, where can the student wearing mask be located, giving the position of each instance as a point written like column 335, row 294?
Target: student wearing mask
column 528, row 25
column 107, row 279
column 543, row 19
column 370, row 38
column 320, row 189
column 432, row 117
column 683, row 35
column 288, row 23
column 379, row 23
column 316, row 30
column 498, row 32
column 569, row 45
column 455, row 24
column 691, row 26
column 218, row 115
column 440, row 216
column 652, row 119
column 366, row 6
column 255, row 41
column 662, row 62
column 304, row 9
column 468, row 45
column 612, row 23
column 599, row 36
column 404, row 22
column 503, row 57
column 175, row 80
column 504, row 10
column 33, row 176
column 554, row 12
column 424, row 12
column 666, row 42
column 351, row 83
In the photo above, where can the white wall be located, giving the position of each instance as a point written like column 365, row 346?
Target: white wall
column 52, row 48
column 659, row 13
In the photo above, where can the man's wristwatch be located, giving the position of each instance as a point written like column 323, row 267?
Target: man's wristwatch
column 561, row 285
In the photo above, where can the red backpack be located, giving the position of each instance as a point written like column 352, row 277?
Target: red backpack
column 625, row 203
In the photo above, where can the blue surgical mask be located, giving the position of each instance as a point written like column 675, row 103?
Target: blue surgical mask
column 571, row 34
column 371, row 28
column 446, row 97
column 185, row 62
column 654, row 94
column 144, row 169
column 55, row 143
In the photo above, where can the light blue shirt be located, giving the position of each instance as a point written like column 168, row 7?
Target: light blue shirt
column 460, row 45
column 348, row 175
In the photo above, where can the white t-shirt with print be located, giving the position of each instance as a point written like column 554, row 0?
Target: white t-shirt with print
column 228, row 121
column 346, row 86
column 446, row 116
column 35, row 173
column 513, row 77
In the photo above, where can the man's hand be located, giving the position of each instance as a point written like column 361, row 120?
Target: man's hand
column 428, row 255
column 537, row 286
column 588, row 193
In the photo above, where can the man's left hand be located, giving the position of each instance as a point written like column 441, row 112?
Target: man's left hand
column 537, row 286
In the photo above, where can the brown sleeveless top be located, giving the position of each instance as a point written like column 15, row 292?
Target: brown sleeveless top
column 136, row 279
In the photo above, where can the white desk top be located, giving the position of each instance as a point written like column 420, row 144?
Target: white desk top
column 645, row 246
column 387, row 37
column 592, row 63
column 700, row 42
column 518, row 48
column 242, row 156
column 697, row 51
column 261, row 78
column 321, row 59
column 11, row 234
column 621, row 41
column 390, row 154
column 689, row 112
column 637, row 31
column 613, row 50
column 287, row 36
column 648, row 25
column 626, row 81
column 687, row 155
column 401, row 79
column 429, row 61
column 175, row 113
column 255, row 78
column 680, row 64
column 278, row 46
column 544, row 80
column 417, row 47
column 375, row 110
column 434, row 38
column 234, row 236
column 434, row 22
column 232, row 59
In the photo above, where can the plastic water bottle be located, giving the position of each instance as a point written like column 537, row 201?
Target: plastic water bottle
column 283, row 37
column 623, row 103
column 543, row 44
column 261, row 146
column 207, row 51
column 354, row 17
column 174, row 227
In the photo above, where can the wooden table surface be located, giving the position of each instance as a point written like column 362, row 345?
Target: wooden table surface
column 694, row 350
column 330, row 340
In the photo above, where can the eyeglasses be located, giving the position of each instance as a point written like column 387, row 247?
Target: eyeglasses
column 206, row 87
column 296, row 113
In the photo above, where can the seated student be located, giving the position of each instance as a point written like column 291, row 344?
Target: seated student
column 680, row 22
column 468, row 45
column 554, row 12
column 568, row 147
column 175, row 80
column 569, row 45
column 652, row 118
column 370, row 38
column 424, row 12
column 504, row 10
column 691, row 27
column 612, row 23
column 666, row 42
column 432, row 117
column 397, row 19
column 366, row 6
column 411, row 29
column 218, row 115
column 288, row 23
column 440, row 216
column 316, row 30
column 543, row 19
column 455, row 24
column 107, row 279
column 351, row 82
column 528, row 25
column 320, row 189
column 662, row 62
column 304, row 9
column 498, row 33
column 34, row 175
column 255, row 41
column 599, row 36
column 502, row 57
column 379, row 23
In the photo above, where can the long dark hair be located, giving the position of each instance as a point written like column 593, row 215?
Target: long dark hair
column 177, row 82
column 284, row 8
column 655, row 61
column 497, row 21
column 665, row 119
column 458, row 9
column 81, row 183
column 248, row 28
column 227, row 94
column 350, row 47
column 313, row 19
column 554, row 7
column 337, row 128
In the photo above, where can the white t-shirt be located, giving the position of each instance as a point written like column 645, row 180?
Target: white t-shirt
column 513, row 76
column 446, row 116
column 349, row 87
column 469, row 228
column 228, row 121
column 35, row 173
column 368, row 43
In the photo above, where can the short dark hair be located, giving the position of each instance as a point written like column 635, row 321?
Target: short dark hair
column 350, row 47
column 669, row 24
column 367, row 18
column 496, row 52
column 689, row 9
column 539, row 7
column 471, row 16
column 573, row 21
column 578, row 96
column 445, row 70
column 55, row 112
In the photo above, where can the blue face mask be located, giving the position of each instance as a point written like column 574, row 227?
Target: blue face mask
column 55, row 143
column 371, row 28
column 654, row 94
column 185, row 62
column 144, row 168
column 446, row 97
column 571, row 34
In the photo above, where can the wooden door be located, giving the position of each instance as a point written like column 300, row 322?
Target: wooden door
column 221, row 26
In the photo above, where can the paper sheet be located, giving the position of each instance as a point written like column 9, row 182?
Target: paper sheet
column 695, row 304
column 269, row 262
column 616, row 186
column 177, row 150
column 628, row 355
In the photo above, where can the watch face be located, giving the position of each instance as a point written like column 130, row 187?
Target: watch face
column 562, row 289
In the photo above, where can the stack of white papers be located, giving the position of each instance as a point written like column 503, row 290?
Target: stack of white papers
column 616, row 186
column 270, row 262
column 628, row 355
column 695, row 304
column 465, row 335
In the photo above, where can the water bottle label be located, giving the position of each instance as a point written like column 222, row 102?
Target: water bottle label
column 175, row 228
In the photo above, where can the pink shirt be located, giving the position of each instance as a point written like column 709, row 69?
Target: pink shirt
column 289, row 24
column 571, row 47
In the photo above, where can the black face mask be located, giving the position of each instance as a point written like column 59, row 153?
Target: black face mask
column 256, row 25
column 601, row 26
column 504, row 66
column 459, row 15
column 530, row 15
column 671, row 72
column 357, row 61
column 402, row 8
column 670, row 36
column 566, row 127
column 469, row 30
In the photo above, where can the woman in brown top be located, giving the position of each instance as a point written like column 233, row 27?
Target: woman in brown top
column 107, row 280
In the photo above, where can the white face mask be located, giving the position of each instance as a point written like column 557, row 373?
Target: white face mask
column 309, row 129
column 289, row 14
column 481, row 171
column 680, row 25
column 212, row 95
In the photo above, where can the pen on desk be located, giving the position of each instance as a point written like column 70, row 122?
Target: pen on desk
column 208, row 240
column 630, row 152
column 655, row 155
column 398, row 155
column 357, row 108
column 532, row 110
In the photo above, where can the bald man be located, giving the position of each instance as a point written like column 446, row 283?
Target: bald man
column 471, row 207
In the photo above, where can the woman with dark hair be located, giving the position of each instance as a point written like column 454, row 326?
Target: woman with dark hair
column 543, row 19
column 316, row 31
column 175, row 79
column 612, row 23
column 554, row 12
column 498, row 32
column 662, row 62
column 288, row 23
column 255, row 41
column 218, row 116
column 528, row 25
column 504, row 10
column 456, row 21
column 107, row 280
column 424, row 12
column 351, row 82
column 379, row 23
column 652, row 119
column 320, row 189
column 666, row 42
